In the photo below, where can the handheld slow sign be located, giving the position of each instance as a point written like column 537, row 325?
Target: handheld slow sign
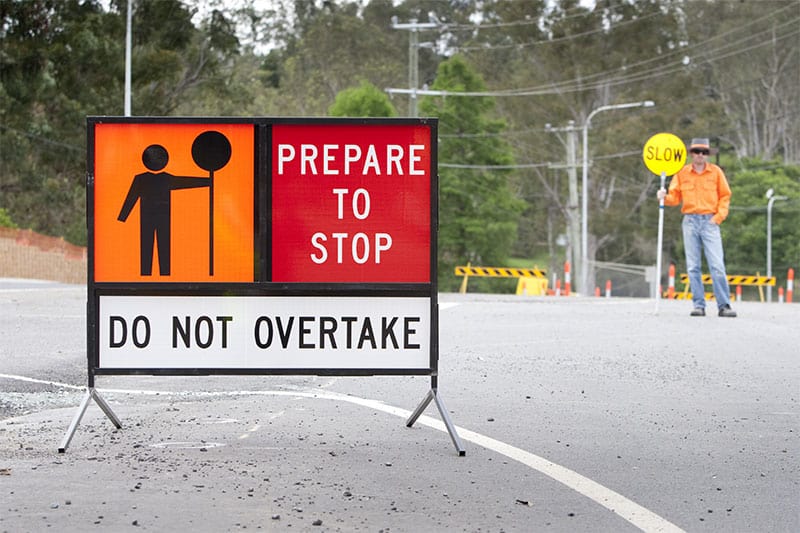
column 664, row 153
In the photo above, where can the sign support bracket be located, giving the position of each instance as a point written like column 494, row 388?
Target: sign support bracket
column 433, row 394
column 91, row 394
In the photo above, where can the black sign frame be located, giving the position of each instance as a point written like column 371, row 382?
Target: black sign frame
column 263, row 285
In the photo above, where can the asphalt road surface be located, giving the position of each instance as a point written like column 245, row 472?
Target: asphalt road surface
column 577, row 414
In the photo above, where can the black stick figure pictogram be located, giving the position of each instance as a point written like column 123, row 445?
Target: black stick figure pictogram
column 211, row 151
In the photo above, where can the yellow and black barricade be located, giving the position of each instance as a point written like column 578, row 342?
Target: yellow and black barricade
column 497, row 272
column 733, row 280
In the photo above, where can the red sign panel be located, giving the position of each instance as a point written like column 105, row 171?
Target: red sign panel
column 351, row 203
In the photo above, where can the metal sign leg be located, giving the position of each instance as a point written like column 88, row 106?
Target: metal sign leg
column 433, row 394
column 91, row 394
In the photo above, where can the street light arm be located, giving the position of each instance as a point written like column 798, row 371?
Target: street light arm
column 646, row 103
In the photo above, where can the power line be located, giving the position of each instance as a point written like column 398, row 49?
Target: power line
column 552, row 40
column 727, row 49
column 532, row 165
column 579, row 85
column 42, row 139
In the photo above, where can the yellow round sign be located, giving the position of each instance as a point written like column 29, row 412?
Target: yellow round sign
column 664, row 152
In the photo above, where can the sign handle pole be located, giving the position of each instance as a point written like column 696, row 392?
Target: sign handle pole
column 211, row 223
column 660, row 241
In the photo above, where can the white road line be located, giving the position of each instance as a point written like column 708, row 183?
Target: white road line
column 629, row 510
column 252, row 430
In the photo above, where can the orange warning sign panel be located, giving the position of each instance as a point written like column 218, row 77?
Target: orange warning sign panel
column 173, row 202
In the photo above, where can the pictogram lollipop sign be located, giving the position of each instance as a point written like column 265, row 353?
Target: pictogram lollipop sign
column 211, row 151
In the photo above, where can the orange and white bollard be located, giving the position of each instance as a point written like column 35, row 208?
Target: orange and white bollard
column 567, row 279
column 608, row 288
column 789, row 286
column 671, row 286
column 738, row 293
column 597, row 292
column 558, row 287
column 780, row 295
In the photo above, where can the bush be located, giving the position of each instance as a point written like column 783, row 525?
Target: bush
column 5, row 219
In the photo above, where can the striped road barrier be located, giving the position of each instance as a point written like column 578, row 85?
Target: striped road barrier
column 756, row 281
column 496, row 272
column 737, row 281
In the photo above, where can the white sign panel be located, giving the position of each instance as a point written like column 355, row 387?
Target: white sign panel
column 262, row 332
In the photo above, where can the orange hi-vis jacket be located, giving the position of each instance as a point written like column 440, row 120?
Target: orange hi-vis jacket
column 706, row 193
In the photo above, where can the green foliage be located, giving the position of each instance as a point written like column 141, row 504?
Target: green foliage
column 333, row 49
column 745, row 230
column 57, row 66
column 366, row 100
column 478, row 212
column 61, row 60
column 5, row 219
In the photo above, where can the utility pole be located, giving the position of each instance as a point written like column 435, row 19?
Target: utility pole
column 573, row 218
column 413, row 28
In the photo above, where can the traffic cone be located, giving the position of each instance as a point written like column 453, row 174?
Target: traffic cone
column 671, row 286
column 608, row 288
column 789, row 286
column 567, row 279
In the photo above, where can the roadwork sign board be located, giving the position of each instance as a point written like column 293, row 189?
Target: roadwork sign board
column 262, row 246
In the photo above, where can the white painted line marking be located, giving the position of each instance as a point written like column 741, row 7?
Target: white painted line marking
column 187, row 445
column 209, row 420
column 41, row 381
column 629, row 510
column 251, row 431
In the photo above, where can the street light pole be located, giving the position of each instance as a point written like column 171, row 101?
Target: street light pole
column 128, row 46
column 584, row 268
column 770, row 200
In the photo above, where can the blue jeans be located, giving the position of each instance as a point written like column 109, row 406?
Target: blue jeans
column 701, row 234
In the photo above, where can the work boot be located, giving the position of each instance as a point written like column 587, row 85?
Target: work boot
column 726, row 310
column 698, row 311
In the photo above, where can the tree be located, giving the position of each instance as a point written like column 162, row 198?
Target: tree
column 715, row 68
column 57, row 66
column 5, row 219
column 760, row 101
column 334, row 48
column 366, row 100
column 478, row 211
column 62, row 60
column 174, row 61
column 745, row 230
